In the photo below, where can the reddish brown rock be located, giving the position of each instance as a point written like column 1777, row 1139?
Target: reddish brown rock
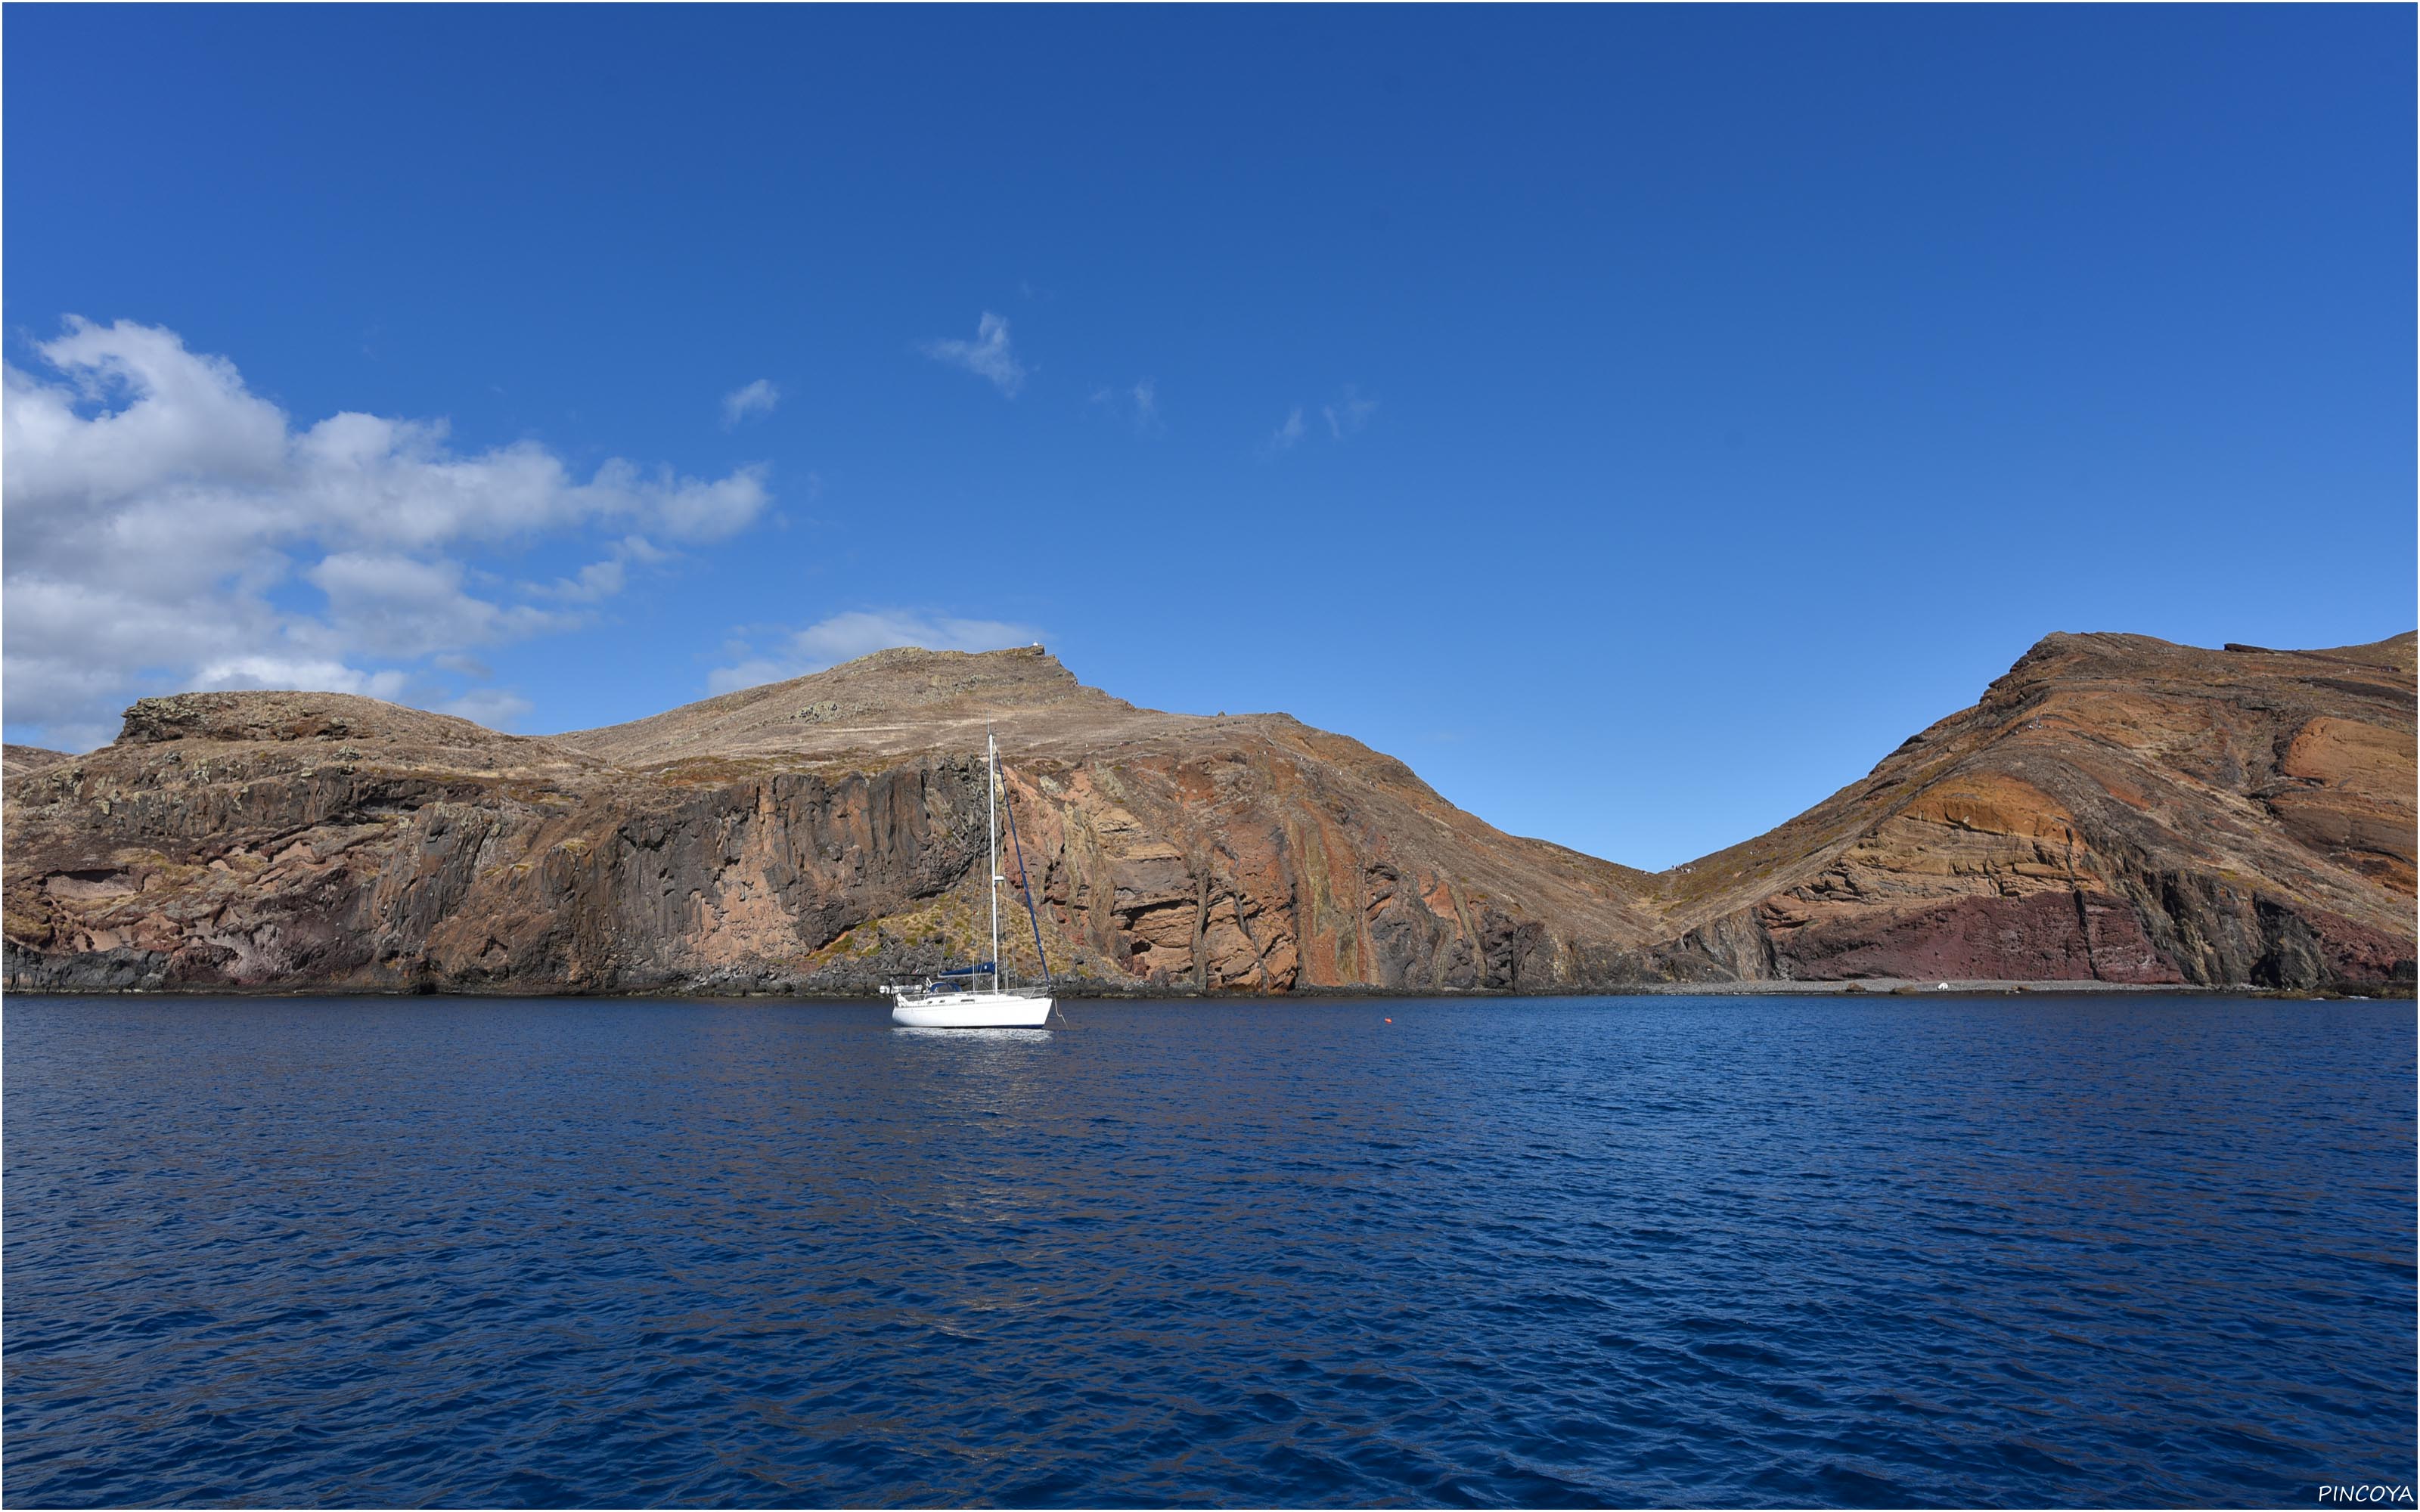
column 2114, row 809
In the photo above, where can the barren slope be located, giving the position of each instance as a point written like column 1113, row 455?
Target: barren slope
column 824, row 833
column 15, row 758
column 2114, row 807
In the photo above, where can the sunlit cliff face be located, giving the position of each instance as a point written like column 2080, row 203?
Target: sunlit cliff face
column 2115, row 809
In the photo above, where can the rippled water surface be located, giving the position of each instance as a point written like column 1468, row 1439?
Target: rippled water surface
column 1643, row 1251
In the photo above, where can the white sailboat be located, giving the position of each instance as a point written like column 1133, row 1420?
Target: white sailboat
column 961, row 999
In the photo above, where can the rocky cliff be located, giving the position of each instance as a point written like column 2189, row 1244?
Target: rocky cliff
column 2114, row 807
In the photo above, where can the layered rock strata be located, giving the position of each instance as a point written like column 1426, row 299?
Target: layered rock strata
column 2114, row 809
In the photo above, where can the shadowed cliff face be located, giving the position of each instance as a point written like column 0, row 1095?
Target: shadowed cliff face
column 2114, row 809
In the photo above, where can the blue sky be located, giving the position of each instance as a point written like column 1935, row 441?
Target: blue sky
column 1638, row 420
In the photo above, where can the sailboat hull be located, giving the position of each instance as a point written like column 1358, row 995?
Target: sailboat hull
column 973, row 1010
column 972, row 1006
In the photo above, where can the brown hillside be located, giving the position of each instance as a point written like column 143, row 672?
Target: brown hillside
column 2114, row 807
column 18, row 758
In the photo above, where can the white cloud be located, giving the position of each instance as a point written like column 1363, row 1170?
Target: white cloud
column 196, row 418
column 1139, row 403
column 601, row 580
column 597, row 580
column 158, row 515
column 857, row 633
column 404, row 609
column 757, row 398
column 491, row 706
column 1349, row 413
column 319, row 676
column 1346, row 415
column 986, row 357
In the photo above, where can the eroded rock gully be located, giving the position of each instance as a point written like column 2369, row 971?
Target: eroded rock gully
column 2113, row 809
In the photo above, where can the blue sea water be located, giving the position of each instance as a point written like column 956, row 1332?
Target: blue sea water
column 1665, row 1250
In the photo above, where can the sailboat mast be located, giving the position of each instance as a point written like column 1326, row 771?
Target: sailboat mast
column 992, row 836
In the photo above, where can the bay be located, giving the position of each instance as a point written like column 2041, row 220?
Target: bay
column 2038, row 1250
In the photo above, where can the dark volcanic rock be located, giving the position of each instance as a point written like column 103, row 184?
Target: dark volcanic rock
column 2114, row 809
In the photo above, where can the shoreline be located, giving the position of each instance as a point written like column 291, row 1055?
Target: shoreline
column 1862, row 987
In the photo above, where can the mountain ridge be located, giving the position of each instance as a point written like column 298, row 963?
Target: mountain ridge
column 2112, row 808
